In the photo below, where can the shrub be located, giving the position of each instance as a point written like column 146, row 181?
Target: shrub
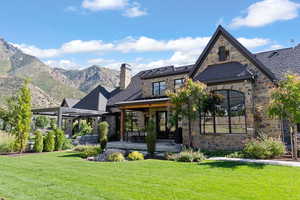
column 53, row 123
column 59, row 139
column 170, row 156
column 236, row 154
column 82, row 128
column 264, row 148
column 67, row 144
column 87, row 150
column 38, row 141
column 7, row 142
column 116, row 157
column 49, row 141
column 151, row 137
column 41, row 121
column 103, row 132
column 186, row 156
column 135, row 155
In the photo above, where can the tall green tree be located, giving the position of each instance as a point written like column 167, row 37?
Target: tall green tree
column 285, row 104
column 22, row 113
column 188, row 101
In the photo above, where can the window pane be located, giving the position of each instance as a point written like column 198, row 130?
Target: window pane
column 178, row 83
column 155, row 89
column 207, row 125
column 222, row 112
column 162, row 87
column 237, row 112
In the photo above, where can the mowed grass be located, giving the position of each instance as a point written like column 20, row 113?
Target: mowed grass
column 66, row 176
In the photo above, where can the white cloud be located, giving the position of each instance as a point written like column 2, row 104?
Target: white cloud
column 79, row 46
column 180, row 46
column 97, row 5
column 135, row 11
column 131, row 9
column 253, row 42
column 35, row 51
column 266, row 12
column 65, row 64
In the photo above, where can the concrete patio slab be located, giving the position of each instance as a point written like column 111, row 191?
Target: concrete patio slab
column 268, row 162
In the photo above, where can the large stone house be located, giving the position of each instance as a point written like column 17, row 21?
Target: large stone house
column 243, row 78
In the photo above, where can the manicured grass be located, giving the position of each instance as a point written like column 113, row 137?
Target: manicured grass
column 65, row 176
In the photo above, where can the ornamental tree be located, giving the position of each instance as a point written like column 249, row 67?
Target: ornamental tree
column 188, row 101
column 285, row 104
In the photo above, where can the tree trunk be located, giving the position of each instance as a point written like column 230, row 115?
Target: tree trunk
column 190, row 125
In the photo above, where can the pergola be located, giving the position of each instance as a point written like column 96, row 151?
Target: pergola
column 66, row 112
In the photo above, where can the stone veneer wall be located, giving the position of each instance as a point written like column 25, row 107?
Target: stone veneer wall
column 147, row 83
column 257, row 96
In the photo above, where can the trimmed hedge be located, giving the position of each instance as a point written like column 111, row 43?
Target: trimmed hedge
column 49, row 142
column 38, row 141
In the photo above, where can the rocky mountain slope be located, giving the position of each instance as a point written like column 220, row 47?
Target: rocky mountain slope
column 49, row 86
column 87, row 79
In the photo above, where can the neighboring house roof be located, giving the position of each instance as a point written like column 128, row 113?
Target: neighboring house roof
column 95, row 100
column 236, row 44
column 166, row 71
column 231, row 71
column 68, row 102
column 281, row 61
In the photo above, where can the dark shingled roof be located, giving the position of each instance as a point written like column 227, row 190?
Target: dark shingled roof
column 134, row 89
column 231, row 71
column 281, row 61
column 166, row 71
column 95, row 100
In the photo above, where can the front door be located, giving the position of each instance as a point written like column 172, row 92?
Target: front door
column 161, row 124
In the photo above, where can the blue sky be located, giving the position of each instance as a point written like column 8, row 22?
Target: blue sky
column 143, row 33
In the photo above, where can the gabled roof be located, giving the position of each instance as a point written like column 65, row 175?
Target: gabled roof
column 68, row 102
column 232, row 71
column 237, row 45
column 281, row 61
column 95, row 100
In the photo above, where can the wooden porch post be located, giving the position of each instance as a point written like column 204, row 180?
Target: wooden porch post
column 122, row 125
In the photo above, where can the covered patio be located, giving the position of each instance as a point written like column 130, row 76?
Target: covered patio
column 136, row 114
column 67, row 113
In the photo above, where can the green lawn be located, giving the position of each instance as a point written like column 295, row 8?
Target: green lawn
column 65, row 176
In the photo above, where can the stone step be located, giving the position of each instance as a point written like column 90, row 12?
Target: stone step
column 160, row 147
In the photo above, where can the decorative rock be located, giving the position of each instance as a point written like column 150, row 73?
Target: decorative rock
column 103, row 156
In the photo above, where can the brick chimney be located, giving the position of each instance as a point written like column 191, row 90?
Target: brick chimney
column 125, row 76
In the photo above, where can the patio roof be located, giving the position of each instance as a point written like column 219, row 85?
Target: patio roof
column 65, row 112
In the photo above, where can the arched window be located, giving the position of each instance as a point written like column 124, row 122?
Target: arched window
column 228, row 116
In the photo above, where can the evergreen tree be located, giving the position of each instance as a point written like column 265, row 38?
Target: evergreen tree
column 22, row 114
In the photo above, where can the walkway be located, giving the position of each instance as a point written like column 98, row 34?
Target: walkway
column 269, row 162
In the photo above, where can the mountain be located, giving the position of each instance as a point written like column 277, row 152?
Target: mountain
column 49, row 86
column 89, row 78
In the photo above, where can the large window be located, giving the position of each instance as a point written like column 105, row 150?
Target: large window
column 228, row 116
column 158, row 88
column 178, row 83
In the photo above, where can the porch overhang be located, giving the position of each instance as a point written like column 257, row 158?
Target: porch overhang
column 144, row 103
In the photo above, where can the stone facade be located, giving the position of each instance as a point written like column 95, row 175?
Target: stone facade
column 147, row 83
column 257, row 97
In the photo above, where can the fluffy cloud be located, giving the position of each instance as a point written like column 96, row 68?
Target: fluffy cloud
column 266, row 12
column 79, row 46
column 134, row 11
column 180, row 46
column 131, row 9
column 97, row 5
column 65, row 64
